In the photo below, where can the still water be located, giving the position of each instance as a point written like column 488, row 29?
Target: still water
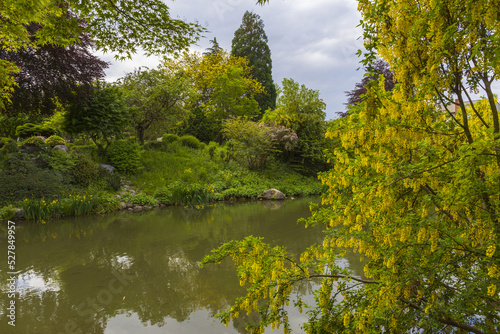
column 138, row 272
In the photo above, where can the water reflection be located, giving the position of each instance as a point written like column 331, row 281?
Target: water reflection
column 138, row 273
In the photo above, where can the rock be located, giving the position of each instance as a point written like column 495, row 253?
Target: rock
column 62, row 148
column 159, row 139
column 110, row 168
column 138, row 208
column 19, row 214
column 272, row 194
column 124, row 205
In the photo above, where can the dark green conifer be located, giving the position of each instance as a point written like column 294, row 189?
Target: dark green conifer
column 250, row 41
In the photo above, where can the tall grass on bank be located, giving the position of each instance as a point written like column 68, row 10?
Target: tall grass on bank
column 191, row 194
column 73, row 205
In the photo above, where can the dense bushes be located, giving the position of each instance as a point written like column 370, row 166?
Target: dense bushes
column 30, row 130
column 21, row 178
column 170, row 138
column 85, row 170
column 33, row 141
column 125, row 156
column 55, row 140
column 190, row 141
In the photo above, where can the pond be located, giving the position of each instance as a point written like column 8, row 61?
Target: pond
column 138, row 272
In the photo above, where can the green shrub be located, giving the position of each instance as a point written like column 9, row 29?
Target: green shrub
column 88, row 149
column 155, row 145
column 85, row 171
column 3, row 141
column 111, row 179
column 10, row 146
column 125, row 156
column 21, row 178
column 212, row 148
column 144, row 200
column 219, row 186
column 163, row 195
column 170, row 138
column 33, row 141
column 61, row 162
column 190, row 141
column 7, row 212
column 107, row 203
column 30, row 129
column 55, row 140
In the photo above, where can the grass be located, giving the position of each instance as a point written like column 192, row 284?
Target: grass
column 188, row 172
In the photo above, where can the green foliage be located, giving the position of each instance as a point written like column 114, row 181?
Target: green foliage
column 107, row 203
column 303, row 111
column 251, row 142
column 163, row 195
column 190, row 141
column 190, row 194
column 125, row 156
column 201, row 126
column 7, row 212
column 74, row 205
column 212, row 148
column 155, row 96
column 30, row 130
column 9, row 146
column 118, row 27
column 101, row 116
column 33, row 141
column 85, row 170
column 61, row 161
column 144, row 200
column 154, row 145
column 8, row 124
column 55, row 140
column 170, row 138
column 250, row 41
column 110, row 180
column 21, row 178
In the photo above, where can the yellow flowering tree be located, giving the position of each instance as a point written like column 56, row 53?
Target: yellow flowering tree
column 415, row 188
column 224, row 84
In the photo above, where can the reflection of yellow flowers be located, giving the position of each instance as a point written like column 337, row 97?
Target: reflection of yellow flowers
column 43, row 221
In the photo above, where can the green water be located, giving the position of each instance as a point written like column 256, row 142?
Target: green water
column 138, row 272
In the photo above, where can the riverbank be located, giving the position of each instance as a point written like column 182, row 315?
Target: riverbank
column 46, row 182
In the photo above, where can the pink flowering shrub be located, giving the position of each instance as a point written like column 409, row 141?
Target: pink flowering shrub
column 284, row 138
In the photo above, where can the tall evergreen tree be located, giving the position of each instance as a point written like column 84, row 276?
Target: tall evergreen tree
column 215, row 49
column 250, row 41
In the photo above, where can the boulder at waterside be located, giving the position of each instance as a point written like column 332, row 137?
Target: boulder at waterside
column 272, row 194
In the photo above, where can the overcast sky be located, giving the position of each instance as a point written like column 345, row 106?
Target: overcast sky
column 312, row 41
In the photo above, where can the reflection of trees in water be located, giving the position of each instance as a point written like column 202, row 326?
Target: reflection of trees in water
column 159, row 250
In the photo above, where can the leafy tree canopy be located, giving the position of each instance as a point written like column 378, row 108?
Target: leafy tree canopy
column 302, row 110
column 120, row 27
column 224, row 84
column 373, row 72
column 100, row 117
column 156, row 96
column 414, row 189
column 49, row 72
